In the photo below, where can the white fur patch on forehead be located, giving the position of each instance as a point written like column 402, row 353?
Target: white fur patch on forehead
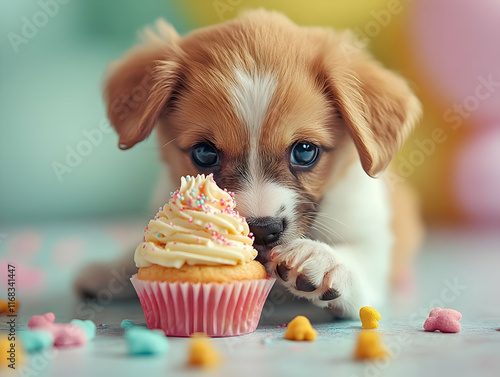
column 250, row 96
column 266, row 199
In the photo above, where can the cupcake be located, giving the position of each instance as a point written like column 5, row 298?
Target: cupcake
column 197, row 267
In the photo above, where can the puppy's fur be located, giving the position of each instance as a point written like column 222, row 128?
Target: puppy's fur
column 252, row 88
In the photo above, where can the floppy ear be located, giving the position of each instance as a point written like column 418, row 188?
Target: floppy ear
column 378, row 107
column 139, row 85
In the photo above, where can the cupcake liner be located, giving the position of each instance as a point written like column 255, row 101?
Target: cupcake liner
column 217, row 309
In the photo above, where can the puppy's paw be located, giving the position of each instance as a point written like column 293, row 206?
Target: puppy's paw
column 311, row 269
column 105, row 278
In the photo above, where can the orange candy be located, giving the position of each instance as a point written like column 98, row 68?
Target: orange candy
column 202, row 353
column 369, row 317
column 369, row 346
column 12, row 353
column 4, row 307
column 300, row 328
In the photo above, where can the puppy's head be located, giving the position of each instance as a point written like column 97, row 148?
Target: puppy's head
column 275, row 111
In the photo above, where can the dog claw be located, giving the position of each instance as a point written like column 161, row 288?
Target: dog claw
column 302, row 284
column 282, row 271
column 87, row 294
column 330, row 294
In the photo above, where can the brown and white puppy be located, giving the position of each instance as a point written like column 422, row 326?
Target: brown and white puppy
column 294, row 120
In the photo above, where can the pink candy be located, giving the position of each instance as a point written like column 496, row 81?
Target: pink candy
column 444, row 320
column 65, row 334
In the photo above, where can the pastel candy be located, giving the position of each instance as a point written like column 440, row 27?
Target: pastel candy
column 127, row 324
column 65, row 334
column 88, row 326
column 6, row 309
column 443, row 320
column 202, row 353
column 5, row 351
column 300, row 328
column 36, row 340
column 142, row 341
column 369, row 346
column 369, row 317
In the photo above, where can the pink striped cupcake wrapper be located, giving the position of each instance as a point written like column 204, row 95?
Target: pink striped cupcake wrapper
column 217, row 309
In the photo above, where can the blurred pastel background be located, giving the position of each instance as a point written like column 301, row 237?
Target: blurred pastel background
column 50, row 98
column 53, row 54
column 58, row 156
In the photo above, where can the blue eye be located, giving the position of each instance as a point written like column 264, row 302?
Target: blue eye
column 304, row 154
column 205, row 155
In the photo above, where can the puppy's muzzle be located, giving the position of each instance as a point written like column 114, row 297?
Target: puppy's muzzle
column 267, row 232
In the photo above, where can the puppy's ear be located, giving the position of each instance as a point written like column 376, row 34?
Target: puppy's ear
column 377, row 105
column 139, row 85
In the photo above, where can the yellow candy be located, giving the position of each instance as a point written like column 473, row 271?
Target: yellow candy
column 202, row 353
column 300, row 328
column 369, row 346
column 4, row 307
column 369, row 317
column 10, row 354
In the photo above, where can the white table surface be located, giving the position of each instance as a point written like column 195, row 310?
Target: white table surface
column 469, row 260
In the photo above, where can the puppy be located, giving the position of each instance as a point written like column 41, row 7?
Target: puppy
column 296, row 121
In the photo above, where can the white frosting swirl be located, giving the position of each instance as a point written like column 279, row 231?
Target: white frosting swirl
column 198, row 226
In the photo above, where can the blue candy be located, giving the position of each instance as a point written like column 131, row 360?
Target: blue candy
column 34, row 341
column 88, row 327
column 127, row 324
column 142, row 341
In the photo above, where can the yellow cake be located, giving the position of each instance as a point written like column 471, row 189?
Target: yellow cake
column 204, row 274
column 197, row 255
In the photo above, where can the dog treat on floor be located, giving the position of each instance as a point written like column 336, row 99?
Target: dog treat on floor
column 369, row 346
column 196, row 243
column 127, row 324
column 65, row 334
column 369, row 317
column 142, row 341
column 202, row 353
column 443, row 320
column 300, row 328
column 8, row 307
column 36, row 340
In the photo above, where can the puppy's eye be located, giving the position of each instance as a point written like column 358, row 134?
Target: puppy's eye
column 304, row 154
column 205, row 155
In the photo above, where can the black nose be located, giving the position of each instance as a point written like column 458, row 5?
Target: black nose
column 266, row 230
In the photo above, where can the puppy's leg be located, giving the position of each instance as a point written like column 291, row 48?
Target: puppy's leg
column 113, row 277
column 343, row 278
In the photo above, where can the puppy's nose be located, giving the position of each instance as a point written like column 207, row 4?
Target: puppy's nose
column 266, row 230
